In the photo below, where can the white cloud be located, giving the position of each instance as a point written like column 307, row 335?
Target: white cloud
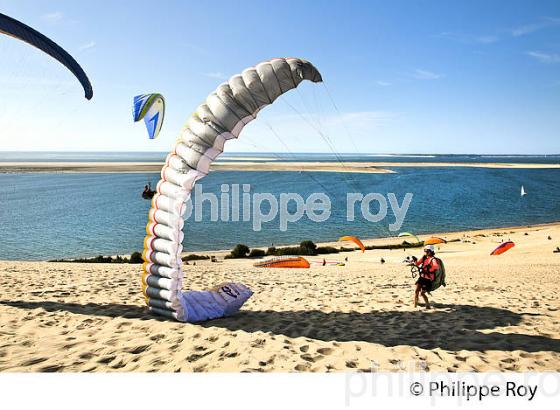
column 486, row 39
column 87, row 46
column 531, row 28
column 383, row 83
column 53, row 17
column 219, row 75
column 469, row 39
column 426, row 75
column 544, row 57
column 519, row 31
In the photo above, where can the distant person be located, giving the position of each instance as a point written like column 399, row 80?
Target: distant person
column 382, row 261
column 147, row 193
column 557, row 250
column 324, row 262
column 346, row 259
column 428, row 265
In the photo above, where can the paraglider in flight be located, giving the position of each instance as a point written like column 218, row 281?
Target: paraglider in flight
column 409, row 234
column 504, row 247
column 434, row 240
column 20, row 31
column 221, row 117
column 150, row 107
column 284, row 262
column 355, row 240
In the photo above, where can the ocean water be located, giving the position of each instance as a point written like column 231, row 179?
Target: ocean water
column 47, row 216
column 71, row 156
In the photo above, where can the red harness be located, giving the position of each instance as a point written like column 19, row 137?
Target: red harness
column 428, row 267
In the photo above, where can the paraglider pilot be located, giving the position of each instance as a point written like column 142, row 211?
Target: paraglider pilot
column 428, row 265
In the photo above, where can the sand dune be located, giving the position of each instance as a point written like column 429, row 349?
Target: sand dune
column 239, row 164
column 496, row 314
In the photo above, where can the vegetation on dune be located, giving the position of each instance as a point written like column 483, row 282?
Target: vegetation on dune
column 195, row 257
column 308, row 248
column 305, row 248
column 135, row 258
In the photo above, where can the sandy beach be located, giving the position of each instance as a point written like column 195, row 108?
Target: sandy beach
column 496, row 314
column 243, row 164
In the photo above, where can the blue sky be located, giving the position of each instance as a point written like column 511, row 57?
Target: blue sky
column 406, row 77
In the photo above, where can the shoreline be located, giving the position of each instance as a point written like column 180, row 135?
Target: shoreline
column 253, row 165
column 365, row 241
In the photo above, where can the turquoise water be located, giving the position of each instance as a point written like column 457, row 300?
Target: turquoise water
column 46, row 216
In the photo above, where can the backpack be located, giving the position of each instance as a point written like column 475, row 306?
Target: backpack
column 439, row 276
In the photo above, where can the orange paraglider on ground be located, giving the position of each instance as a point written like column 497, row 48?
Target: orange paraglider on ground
column 284, row 262
column 434, row 240
column 504, row 247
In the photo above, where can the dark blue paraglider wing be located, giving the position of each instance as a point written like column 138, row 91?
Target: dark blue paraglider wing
column 17, row 29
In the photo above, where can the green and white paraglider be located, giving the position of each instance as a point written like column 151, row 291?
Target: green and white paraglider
column 151, row 108
column 411, row 235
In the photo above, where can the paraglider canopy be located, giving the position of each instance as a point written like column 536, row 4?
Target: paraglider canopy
column 221, row 117
column 409, row 234
column 284, row 262
column 20, row 31
column 355, row 240
column 434, row 240
column 504, row 247
column 151, row 108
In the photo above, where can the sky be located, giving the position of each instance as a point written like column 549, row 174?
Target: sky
column 480, row 77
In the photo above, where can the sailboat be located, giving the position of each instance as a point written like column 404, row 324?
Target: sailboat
column 523, row 193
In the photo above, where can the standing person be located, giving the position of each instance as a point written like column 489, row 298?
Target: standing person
column 429, row 265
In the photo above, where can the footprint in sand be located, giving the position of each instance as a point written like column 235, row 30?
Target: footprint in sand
column 326, row 351
column 259, row 343
column 157, row 338
column 33, row 361
column 106, row 360
column 138, row 349
column 351, row 364
column 119, row 365
column 312, row 359
column 302, row 367
column 51, row 369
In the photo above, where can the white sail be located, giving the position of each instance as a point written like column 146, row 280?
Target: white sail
column 523, row 193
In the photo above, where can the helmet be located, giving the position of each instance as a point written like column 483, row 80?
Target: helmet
column 430, row 248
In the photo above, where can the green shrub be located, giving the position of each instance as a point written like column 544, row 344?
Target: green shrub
column 307, row 248
column 321, row 250
column 136, row 257
column 256, row 253
column 194, row 257
column 240, row 251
